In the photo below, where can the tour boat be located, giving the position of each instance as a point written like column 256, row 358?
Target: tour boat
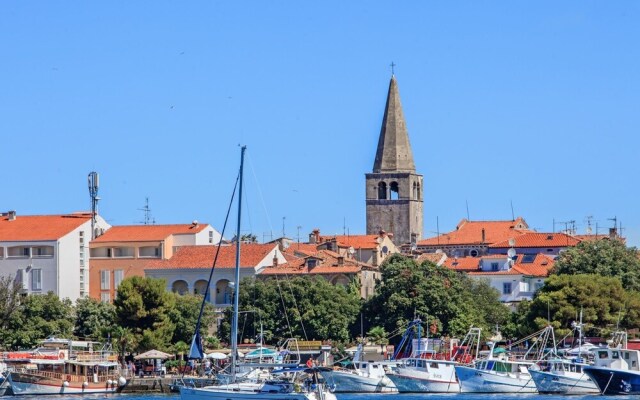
column 616, row 371
column 58, row 367
column 278, row 389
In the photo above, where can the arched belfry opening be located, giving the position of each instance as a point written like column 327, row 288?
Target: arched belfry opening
column 382, row 191
column 394, row 191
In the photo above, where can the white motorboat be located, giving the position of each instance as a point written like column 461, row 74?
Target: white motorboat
column 562, row 376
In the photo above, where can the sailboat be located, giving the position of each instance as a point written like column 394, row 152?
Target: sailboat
column 236, row 389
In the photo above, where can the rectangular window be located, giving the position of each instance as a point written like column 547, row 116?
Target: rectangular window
column 36, row 279
column 210, row 236
column 494, row 266
column 105, row 297
column 118, row 276
column 506, row 288
column 104, row 279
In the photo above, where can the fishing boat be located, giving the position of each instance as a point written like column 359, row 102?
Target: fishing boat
column 616, row 371
column 560, row 375
column 430, row 373
column 502, row 372
column 362, row 377
column 61, row 366
column 311, row 388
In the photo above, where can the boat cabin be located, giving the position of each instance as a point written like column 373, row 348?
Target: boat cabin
column 503, row 366
column 622, row 359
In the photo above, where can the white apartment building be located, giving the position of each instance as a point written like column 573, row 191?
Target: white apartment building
column 48, row 253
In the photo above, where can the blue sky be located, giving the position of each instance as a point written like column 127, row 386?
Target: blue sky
column 531, row 103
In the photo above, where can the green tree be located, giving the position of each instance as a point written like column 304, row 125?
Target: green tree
column 185, row 313
column 38, row 318
column 180, row 348
column 93, row 318
column 302, row 307
column 435, row 294
column 602, row 299
column 10, row 296
column 123, row 340
column 143, row 306
column 378, row 336
column 601, row 257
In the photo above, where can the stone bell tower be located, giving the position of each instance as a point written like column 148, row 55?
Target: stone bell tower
column 394, row 190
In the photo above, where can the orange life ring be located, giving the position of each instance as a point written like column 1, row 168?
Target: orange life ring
column 309, row 363
column 61, row 355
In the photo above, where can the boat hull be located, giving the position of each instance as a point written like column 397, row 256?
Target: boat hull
column 477, row 381
column 414, row 382
column 30, row 384
column 347, row 382
column 212, row 393
column 548, row 383
column 613, row 381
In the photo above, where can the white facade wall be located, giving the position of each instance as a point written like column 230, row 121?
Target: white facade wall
column 62, row 273
column 522, row 288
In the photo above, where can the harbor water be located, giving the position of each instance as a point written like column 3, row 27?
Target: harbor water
column 385, row 396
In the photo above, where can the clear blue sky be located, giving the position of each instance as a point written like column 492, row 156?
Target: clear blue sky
column 535, row 103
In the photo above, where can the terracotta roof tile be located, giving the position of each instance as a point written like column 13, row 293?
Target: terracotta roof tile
column 530, row 265
column 328, row 264
column 537, row 239
column 470, row 232
column 436, row 258
column 40, row 227
column 147, row 233
column 355, row 241
column 462, row 263
column 197, row 257
column 301, row 249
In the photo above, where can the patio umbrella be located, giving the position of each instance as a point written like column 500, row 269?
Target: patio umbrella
column 217, row 356
column 153, row 354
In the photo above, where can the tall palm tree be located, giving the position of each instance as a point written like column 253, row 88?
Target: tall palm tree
column 378, row 335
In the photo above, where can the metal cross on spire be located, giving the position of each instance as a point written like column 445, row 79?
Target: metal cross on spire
column 392, row 68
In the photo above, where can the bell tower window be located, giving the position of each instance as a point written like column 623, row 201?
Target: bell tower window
column 394, row 192
column 382, row 191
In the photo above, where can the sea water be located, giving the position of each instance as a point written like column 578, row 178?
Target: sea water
column 385, row 396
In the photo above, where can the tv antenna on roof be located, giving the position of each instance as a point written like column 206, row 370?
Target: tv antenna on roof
column 148, row 219
column 93, row 180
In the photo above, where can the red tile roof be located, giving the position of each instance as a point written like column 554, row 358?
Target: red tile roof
column 355, row 241
column 202, row 257
column 301, row 249
column 470, row 232
column 146, row 233
column 435, row 258
column 539, row 266
column 536, row 239
column 327, row 264
column 40, row 227
column 462, row 263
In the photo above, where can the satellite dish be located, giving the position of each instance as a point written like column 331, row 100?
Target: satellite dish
column 512, row 242
column 351, row 250
column 413, row 247
column 285, row 244
column 511, row 253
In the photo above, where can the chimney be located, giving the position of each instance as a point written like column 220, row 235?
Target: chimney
column 483, row 235
column 11, row 216
column 613, row 232
column 382, row 233
column 314, row 236
column 275, row 260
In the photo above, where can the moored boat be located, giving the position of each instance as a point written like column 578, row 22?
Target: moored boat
column 57, row 367
column 562, row 376
column 616, row 371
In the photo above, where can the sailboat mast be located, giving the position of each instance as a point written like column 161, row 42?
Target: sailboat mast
column 236, row 303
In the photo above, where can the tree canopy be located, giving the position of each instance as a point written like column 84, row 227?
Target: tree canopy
column 93, row 318
column 143, row 306
column 301, row 307
column 601, row 257
column 439, row 296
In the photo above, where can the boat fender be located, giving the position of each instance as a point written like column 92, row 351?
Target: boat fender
column 109, row 382
column 65, row 383
column 85, row 384
column 122, row 381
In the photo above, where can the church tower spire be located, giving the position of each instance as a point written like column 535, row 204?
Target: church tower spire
column 394, row 150
column 394, row 189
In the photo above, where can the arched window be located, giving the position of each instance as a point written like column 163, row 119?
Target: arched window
column 200, row 287
column 340, row 280
column 395, row 193
column 415, row 191
column 382, row 191
column 224, row 294
column 180, row 287
column 418, row 190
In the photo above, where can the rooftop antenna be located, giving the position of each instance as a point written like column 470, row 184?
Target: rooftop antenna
column 468, row 218
column 93, row 181
column 344, row 226
column 513, row 216
column 589, row 218
column 438, row 229
column 283, row 218
column 148, row 219
column 298, row 228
